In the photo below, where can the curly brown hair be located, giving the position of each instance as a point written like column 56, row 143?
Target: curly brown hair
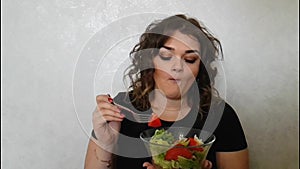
column 140, row 72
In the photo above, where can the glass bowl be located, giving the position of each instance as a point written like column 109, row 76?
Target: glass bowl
column 177, row 147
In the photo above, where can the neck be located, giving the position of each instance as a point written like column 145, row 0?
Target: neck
column 167, row 108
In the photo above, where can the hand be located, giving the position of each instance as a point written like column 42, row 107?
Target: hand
column 148, row 165
column 206, row 165
column 106, row 122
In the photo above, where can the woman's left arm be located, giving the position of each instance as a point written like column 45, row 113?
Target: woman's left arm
column 233, row 160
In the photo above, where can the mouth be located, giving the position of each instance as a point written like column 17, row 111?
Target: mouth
column 175, row 80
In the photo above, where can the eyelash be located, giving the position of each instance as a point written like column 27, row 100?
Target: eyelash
column 190, row 61
column 169, row 58
column 164, row 58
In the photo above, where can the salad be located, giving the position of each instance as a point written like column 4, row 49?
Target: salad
column 169, row 153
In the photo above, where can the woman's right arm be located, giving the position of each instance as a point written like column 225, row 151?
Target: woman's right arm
column 106, row 124
column 96, row 157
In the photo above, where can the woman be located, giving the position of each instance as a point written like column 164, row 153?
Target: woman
column 172, row 79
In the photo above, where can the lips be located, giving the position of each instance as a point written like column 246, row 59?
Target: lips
column 175, row 80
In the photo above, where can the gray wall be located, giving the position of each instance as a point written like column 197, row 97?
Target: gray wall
column 46, row 116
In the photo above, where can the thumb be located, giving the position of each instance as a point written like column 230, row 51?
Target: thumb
column 207, row 164
column 148, row 165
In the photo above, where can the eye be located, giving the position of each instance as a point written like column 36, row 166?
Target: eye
column 165, row 55
column 190, row 60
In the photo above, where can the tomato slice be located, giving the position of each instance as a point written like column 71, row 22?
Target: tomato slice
column 193, row 142
column 173, row 153
column 155, row 121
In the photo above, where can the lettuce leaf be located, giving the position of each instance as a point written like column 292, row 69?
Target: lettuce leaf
column 159, row 139
column 160, row 160
column 162, row 136
column 188, row 163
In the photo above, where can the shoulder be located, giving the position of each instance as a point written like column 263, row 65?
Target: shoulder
column 229, row 117
column 229, row 113
column 229, row 132
column 222, row 112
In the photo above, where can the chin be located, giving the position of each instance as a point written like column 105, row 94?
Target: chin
column 173, row 95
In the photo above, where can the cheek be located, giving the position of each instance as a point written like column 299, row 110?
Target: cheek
column 193, row 70
column 160, row 70
column 160, row 65
column 159, row 75
column 156, row 75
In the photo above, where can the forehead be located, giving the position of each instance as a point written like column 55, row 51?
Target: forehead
column 180, row 41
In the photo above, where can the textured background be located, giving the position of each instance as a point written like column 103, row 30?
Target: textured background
column 44, row 43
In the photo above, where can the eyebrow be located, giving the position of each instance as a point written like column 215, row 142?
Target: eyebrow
column 187, row 51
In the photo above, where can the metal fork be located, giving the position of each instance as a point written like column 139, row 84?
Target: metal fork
column 137, row 117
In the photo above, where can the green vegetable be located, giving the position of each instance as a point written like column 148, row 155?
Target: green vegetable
column 160, row 160
column 188, row 163
column 163, row 137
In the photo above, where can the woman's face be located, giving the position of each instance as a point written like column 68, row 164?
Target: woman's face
column 177, row 65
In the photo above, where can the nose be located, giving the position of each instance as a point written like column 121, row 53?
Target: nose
column 177, row 65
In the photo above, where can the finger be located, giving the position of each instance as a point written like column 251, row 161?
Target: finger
column 207, row 164
column 106, row 102
column 108, row 112
column 108, row 105
column 111, row 118
column 102, row 98
column 105, row 115
column 148, row 165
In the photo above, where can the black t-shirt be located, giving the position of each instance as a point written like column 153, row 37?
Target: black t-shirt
column 132, row 152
